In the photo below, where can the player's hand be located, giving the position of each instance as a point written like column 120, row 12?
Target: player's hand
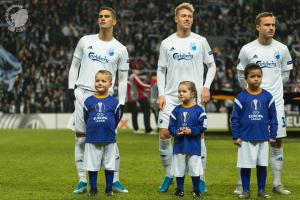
column 272, row 141
column 71, row 94
column 205, row 95
column 187, row 131
column 161, row 102
column 180, row 132
column 238, row 142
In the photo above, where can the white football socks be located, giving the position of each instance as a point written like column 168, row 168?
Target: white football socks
column 79, row 157
column 116, row 173
column 166, row 151
column 276, row 161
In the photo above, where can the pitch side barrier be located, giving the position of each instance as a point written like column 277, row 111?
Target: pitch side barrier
column 217, row 122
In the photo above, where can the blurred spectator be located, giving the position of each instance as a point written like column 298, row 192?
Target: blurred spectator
column 54, row 27
column 136, row 94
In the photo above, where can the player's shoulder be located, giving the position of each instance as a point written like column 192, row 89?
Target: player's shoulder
column 169, row 39
column 199, row 108
column 250, row 45
column 113, row 100
column 197, row 37
column 278, row 44
column 267, row 94
column 89, row 37
column 118, row 44
column 241, row 95
column 89, row 99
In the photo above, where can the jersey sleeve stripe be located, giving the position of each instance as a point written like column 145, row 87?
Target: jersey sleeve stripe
column 238, row 103
column 272, row 100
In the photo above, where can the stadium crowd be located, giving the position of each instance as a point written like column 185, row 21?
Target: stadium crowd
column 46, row 48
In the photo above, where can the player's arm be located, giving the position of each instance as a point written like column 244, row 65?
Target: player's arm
column 235, row 122
column 85, row 113
column 200, row 126
column 161, row 82
column 117, row 115
column 173, row 125
column 285, row 75
column 241, row 78
column 205, row 95
column 161, row 76
column 241, row 64
column 208, row 59
column 140, row 83
column 273, row 120
column 123, row 67
column 73, row 73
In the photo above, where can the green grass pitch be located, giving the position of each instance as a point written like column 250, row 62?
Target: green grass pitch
column 39, row 165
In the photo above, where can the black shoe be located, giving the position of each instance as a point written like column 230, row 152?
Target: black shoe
column 196, row 194
column 245, row 195
column 109, row 192
column 263, row 194
column 179, row 193
column 93, row 192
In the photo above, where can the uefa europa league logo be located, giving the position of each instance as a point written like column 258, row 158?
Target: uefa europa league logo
column 255, row 105
column 16, row 19
column 100, row 107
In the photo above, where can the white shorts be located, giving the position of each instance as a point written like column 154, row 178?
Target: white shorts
column 164, row 115
column 97, row 155
column 281, row 124
column 81, row 95
column 251, row 154
column 187, row 164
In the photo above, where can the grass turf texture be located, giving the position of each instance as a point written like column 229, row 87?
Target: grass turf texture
column 39, row 165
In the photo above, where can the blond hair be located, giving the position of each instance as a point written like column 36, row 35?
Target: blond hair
column 105, row 72
column 181, row 6
column 262, row 15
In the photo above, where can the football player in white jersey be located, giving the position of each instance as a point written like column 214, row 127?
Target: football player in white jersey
column 276, row 62
column 93, row 53
column 182, row 58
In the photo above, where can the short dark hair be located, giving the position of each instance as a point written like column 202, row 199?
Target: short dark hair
column 113, row 12
column 251, row 67
column 262, row 15
column 105, row 72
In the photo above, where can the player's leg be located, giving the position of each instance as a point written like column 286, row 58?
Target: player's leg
column 134, row 116
column 202, row 185
column 79, row 158
column 276, row 155
column 246, row 159
column 93, row 154
column 195, row 170
column 109, row 164
column 145, row 106
column 79, row 127
column 165, row 146
column 117, row 186
column 261, row 169
column 179, row 164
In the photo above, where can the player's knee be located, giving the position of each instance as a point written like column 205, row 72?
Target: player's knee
column 164, row 133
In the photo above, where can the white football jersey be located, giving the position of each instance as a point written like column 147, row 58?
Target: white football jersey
column 96, row 55
column 273, row 59
column 183, row 58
